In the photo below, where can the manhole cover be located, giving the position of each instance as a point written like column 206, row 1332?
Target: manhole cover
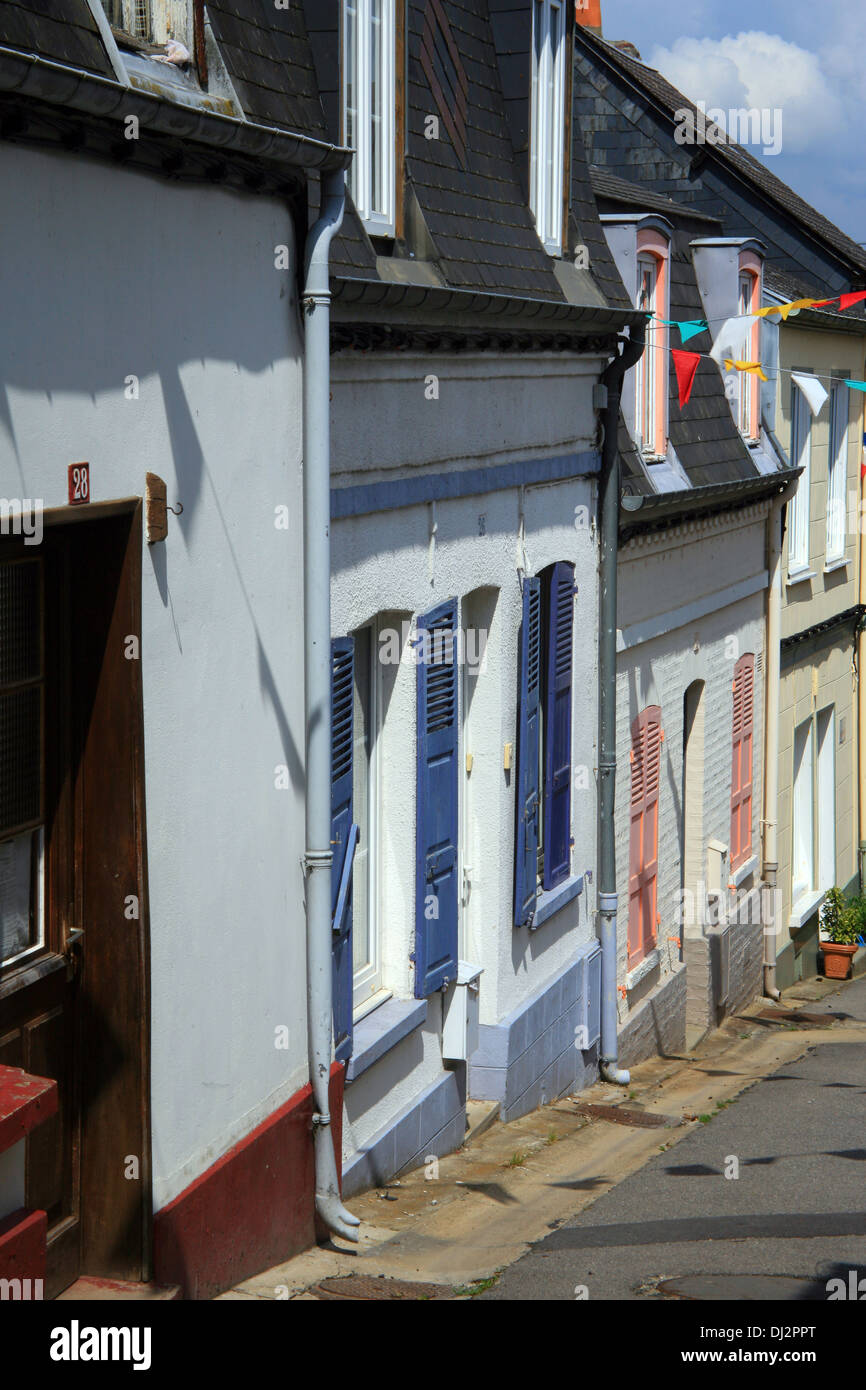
column 736, row 1287
column 622, row 1115
column 372, row 1289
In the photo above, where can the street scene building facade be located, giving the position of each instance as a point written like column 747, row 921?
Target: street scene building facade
column 412, row 694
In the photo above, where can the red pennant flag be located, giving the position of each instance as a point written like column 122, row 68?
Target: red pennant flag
column 685, row 365
column 845, row 300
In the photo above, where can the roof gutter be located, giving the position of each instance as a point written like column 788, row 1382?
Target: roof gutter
column 27, row 75
column 542, row 313
column 657, row 510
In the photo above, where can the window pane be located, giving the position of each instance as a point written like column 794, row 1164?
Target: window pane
column 647, row 366
column 20, row 696
column 21, row 915
column 744, row 383
column 350, row 88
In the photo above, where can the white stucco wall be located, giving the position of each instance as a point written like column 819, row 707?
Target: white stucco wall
column 698, row 564
column 106, row 273
column 394, row 565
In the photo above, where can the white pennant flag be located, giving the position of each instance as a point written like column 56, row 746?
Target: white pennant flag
column 812, row 389
column 732, row 337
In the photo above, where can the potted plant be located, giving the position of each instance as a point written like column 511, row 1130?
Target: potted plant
column 843, row 923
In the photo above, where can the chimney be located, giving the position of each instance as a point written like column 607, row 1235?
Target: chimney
column 587, row 14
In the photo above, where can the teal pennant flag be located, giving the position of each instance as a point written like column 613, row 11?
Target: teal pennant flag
column 689, row 328
column 857, row 385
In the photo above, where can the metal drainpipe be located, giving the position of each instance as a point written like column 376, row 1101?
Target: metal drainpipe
column 770, row 866
column 609, row 490
column 317, row 693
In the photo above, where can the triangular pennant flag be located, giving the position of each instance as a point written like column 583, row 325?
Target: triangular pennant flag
column 689, row 328
column 793, row 307
column 685, row 366
column 754, row 367
column 812, row 390
column 846, row 300
column 731, row 336
column 857, row 385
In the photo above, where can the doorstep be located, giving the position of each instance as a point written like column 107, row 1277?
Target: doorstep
column 88, row 1289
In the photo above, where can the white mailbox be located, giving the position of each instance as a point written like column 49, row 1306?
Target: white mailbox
column 460, row 1014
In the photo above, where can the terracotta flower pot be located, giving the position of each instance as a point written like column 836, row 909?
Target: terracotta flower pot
column 837, row 959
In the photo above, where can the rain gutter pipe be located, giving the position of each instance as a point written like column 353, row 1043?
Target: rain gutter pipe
column 608, row 503
column 319, row 854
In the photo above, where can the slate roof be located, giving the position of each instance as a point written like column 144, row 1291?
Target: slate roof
column 759, row 176
column 616, row 190
column 268, row 57
column 477, row 215
column 704, row 436
column 63, row 31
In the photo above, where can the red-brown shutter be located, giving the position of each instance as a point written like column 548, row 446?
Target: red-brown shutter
column 646, row 742
column 741, row 760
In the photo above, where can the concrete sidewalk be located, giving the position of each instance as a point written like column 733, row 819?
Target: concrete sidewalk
column 564, row 1198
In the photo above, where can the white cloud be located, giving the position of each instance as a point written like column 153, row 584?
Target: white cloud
column 763, row 71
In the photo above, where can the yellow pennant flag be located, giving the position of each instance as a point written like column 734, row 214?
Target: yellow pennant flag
column 746, row 367
column 785, row 309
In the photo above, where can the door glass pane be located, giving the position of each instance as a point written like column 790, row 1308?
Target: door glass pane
column 21, row 887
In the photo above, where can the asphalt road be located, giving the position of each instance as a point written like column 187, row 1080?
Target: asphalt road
column 793, row 1218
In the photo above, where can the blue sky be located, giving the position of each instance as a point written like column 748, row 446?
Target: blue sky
column 806, row 58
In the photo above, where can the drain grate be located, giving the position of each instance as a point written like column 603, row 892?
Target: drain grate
column 622, row 1115
column 371, row 1289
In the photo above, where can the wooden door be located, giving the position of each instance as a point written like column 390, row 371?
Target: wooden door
column 73, row 995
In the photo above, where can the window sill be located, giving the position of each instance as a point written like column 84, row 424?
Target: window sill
column 549, row 903
column 381, row 1030
column 804, row 907
column 744, row 871
column 836, row 564
column 640, row 972
column 799, row 576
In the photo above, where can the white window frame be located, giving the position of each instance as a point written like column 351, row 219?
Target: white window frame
column 367, row 980
column 801, row 456
column 360, row 14
column 837, row 471
column 547, row 158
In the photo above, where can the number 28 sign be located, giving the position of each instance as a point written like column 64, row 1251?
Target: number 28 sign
column 79, row 483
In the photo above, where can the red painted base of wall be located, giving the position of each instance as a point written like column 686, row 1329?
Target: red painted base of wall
column 22, row 1246
column 254, row 1208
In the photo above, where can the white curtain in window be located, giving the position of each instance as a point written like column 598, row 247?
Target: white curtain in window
column 838, row 468
column 801, row 454
column 826, row 798
column 803, row 868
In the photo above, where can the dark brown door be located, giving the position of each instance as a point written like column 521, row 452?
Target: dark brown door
column 73, row 895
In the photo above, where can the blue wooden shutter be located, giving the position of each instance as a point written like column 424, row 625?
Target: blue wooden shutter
column 436, row 792
column 526, row 854
column 342, row 735
column 557, row 727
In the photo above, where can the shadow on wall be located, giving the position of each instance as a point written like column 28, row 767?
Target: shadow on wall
column 109, row 276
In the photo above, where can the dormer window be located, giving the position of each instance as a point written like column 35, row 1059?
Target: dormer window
column 748, row 389
column 651, row 404
column 547, row 163
column 369, row 109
